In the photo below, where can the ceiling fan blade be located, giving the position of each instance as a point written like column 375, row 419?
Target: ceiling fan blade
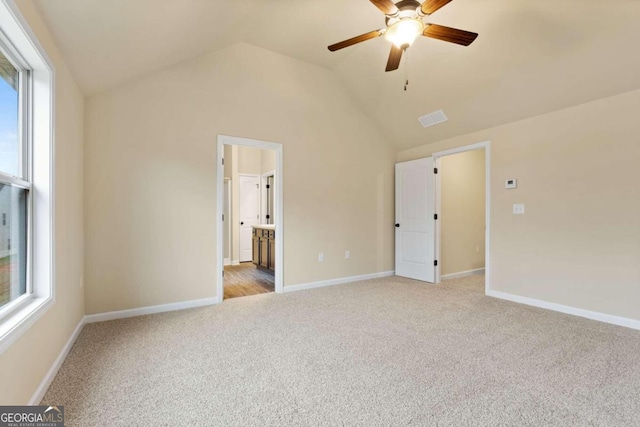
column 387, row 7
column 447, row 34
column 356, row 39
column 394, row 58
column 430, row 6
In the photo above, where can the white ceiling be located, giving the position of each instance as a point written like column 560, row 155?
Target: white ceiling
column 531, row 57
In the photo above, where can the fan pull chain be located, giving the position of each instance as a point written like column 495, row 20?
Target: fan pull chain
column 406, row 69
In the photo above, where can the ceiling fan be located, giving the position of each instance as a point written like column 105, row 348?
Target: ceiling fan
column 403, row 26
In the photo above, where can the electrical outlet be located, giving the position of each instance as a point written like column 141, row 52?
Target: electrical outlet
column 320, row 257
column 518, row 209
column 347, row 254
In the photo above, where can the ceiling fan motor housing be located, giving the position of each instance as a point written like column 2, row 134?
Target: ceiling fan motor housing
column 408, row 6
column 407, row 9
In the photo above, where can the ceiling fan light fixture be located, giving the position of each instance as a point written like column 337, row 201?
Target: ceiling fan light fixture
column 404, row 32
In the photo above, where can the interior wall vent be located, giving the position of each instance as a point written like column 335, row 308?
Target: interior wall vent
column 433, row 119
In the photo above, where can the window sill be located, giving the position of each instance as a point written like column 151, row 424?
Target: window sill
column 21, row 320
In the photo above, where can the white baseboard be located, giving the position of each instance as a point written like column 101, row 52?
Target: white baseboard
column 338, row 281
column 53, row 370
column 227, row 261
column 594, row 315
column 121, row 314
column 235, row 262
column 462, row 274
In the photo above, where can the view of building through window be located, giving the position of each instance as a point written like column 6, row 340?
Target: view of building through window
column 13, row 198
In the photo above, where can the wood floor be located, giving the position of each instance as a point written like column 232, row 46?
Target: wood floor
column 245, row 279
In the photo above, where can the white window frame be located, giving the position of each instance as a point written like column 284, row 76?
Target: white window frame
column 37, row 173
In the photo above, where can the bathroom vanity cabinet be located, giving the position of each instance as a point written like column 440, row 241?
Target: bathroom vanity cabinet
column 264, row 247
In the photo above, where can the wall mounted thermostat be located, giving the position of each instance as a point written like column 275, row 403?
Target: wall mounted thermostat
column 511, row 183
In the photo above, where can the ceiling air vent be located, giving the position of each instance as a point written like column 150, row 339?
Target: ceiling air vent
column 432, row 119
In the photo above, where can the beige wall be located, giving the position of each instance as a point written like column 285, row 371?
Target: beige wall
column 579, row 242
column 268, row 161
column 249, row 160
column 25, row 363
column 150, row 176
column 228, row 161
column 462, row 211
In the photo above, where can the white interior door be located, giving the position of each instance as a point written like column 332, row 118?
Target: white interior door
column 415, row 221
column 249, row 210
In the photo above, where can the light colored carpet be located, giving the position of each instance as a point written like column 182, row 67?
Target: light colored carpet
column 385, row 352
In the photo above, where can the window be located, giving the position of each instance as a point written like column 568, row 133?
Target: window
column 27, row 285
column 15, row 185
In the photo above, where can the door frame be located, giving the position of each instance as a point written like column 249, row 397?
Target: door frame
column 228, row 183
column 486, row 145
column 278, row 208
column 259, row 183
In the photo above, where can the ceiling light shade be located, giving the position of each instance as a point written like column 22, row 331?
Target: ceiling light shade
column 404, row 32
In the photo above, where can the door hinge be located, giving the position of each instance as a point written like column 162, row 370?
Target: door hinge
column 435, row 263
column 223, row 160
column 435, row 216
column 435, row 170
column 222, row 273
column 268, row 216
column 222, row 217
column 268, row 186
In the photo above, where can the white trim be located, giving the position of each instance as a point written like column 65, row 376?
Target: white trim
column 142, row 311
column 227, row 223
column 235, row 262
column 37, row 396
column 278, row 212
column 339, row 281
column 593, row 315
column 486, row 145
column 462, row 274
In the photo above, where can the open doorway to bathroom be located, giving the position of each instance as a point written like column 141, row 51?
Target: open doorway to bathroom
column 250, row 240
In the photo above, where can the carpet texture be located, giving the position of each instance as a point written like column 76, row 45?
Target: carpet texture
column 384, row 352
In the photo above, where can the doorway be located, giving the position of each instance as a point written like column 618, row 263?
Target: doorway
column 418, row 227
column 462, row 235
column 252, row 215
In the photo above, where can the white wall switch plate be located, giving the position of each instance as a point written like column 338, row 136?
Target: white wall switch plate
column 518, row 209
column 511, row 184
column 347, row 254
column 320, row 257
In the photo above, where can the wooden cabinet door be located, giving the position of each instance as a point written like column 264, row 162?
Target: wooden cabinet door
column 272, row 254
column 256, row 251
column 264, row 250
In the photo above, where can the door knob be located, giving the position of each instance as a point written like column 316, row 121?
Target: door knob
column 397, row 225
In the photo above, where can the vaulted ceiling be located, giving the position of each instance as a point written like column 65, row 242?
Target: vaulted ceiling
column 531, row 57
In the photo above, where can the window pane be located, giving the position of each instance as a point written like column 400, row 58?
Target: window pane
column 13, row 243
column 9, row 147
